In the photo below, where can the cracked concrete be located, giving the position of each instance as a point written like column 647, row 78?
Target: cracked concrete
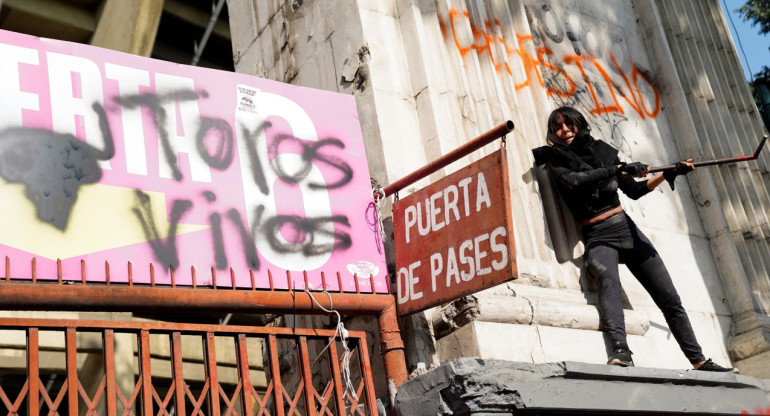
column 483, row 387
column 354, row 70
column 526, row 305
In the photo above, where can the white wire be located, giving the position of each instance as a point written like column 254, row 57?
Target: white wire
column 379, row 202
column 343, row 334
column 738, row 36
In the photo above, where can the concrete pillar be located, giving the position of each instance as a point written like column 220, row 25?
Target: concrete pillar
column 128, row 26
column 717, row 118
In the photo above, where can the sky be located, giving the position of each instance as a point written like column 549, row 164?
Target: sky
column 755, row 45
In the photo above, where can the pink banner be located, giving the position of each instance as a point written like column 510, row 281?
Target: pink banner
column 108, row 158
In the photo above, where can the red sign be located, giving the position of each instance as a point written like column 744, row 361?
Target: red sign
column 455, row 237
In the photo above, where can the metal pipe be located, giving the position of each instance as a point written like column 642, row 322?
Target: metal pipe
column 209, row 28
column 392, row 349
column 156, row 327
column 114, row 298
column 717, row 161
column 450, row 157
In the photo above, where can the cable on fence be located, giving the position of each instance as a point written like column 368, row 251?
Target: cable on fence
column 343, row 334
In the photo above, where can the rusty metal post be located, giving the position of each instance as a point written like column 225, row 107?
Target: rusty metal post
column 453, row 156
column 144, row 372
column 392, row 347
column 33, row 371
column 70, row 347
column 210, row 363
column 114, row 298
column 242, row 360
column 108, row 346
column 275, row 374
column 177, row 374
column 307, row 377
column 365, row 367
column 334, row 370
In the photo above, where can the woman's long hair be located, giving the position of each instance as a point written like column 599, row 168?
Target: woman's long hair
column 570, row 116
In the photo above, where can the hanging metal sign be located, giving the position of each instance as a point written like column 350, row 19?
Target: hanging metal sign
column 454, row 237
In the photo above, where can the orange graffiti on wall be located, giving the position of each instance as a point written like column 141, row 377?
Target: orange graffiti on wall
column 759, row 411
column 485, row 44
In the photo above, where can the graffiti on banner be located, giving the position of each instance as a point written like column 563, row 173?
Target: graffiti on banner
column 109, row 157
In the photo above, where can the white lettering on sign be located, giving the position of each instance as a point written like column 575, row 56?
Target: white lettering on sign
column 181, row 127
column 406, row 291
column 482, row 193
column 433, row 217
column 435, row 269
column 129, row 80
column 452, row 271
column 75, row 85
column 499, row 248
column 467, row 260
column 14, row 99
column 475, row 260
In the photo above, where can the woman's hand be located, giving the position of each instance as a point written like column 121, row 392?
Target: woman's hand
column 637, row 169
column 681, row 168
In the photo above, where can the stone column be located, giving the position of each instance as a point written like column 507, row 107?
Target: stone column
column 128, row 26
column 716, row 116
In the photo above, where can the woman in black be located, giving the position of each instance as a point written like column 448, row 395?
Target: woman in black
column 588, row 175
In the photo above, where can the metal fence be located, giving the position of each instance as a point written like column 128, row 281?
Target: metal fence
column 337, row 381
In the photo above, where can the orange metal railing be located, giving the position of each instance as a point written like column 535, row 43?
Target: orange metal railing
column 48, row 293
column 322, row 394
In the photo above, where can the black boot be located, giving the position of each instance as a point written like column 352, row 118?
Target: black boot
column 621, row 356
column 709, row 365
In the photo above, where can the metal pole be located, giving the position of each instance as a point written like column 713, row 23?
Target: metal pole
column 450, row 157
column 392, row 348
column 717, row 161
column 210, row 27
column 115, row 298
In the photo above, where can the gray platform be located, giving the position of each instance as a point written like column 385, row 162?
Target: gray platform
column 492, row 387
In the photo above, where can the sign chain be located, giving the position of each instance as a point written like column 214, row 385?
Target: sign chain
column 379, row 202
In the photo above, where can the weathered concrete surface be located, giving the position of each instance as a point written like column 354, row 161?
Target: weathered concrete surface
column 528, row 305
column 485, row 387
column 525, row 323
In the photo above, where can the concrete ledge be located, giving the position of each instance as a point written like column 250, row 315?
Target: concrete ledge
column 488, row 387
column 525, row 305
column 687, row 377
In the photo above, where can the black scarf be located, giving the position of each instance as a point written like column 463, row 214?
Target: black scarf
column 583, row 149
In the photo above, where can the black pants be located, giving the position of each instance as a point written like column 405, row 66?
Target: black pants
column 618, row 240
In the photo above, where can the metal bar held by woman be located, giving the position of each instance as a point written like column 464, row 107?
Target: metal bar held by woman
column 717, row 161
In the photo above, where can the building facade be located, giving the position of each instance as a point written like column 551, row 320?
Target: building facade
column 660, row 81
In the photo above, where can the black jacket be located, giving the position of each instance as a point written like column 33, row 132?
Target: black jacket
column 586, row 175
